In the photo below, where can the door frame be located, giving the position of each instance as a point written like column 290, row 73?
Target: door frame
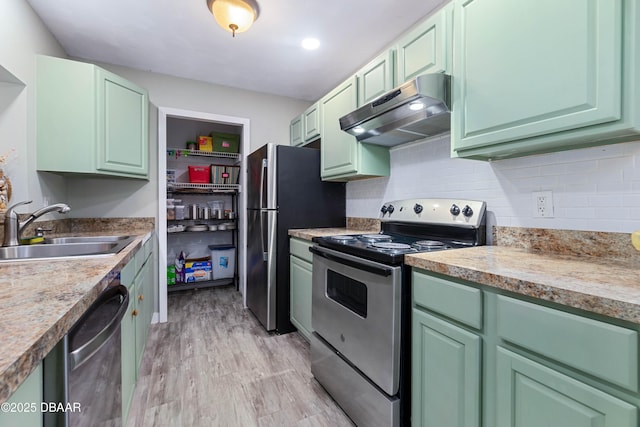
column 163, row 114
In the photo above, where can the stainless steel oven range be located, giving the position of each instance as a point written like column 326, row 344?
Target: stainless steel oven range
column 361, row 304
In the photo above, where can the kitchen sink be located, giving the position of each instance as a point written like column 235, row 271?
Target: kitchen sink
column 60, row 247
column 86, row 239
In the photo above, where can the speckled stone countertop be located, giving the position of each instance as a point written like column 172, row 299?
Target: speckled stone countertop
column 354, row 226
column 310, row 233
column 571, row 268
column 41, row 300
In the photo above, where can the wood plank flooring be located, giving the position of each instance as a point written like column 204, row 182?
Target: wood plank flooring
column 214, row 365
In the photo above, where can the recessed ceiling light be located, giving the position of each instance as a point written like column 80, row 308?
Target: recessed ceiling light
column 310, row 43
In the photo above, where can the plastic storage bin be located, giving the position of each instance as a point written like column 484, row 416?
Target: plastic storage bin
column 223, row 261
column 225, row 142
column 199, row 175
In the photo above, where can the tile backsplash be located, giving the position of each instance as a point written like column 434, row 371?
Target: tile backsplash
column 594, row 188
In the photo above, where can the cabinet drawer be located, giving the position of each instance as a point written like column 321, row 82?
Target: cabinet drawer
column 458, row 302
column 607, row 351
column 300, row 248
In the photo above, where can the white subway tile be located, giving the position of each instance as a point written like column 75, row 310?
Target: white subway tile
column 586, row 183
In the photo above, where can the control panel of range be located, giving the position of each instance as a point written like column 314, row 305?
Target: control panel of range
column 436, row 211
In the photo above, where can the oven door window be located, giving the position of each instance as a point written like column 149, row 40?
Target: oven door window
column 347, row 292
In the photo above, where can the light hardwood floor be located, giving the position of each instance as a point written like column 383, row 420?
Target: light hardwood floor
column 214, row 365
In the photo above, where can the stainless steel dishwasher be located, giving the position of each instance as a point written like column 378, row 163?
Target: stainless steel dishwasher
column 94, row 361
column 88, row 365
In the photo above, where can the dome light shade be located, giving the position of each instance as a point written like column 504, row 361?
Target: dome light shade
column 235, row 16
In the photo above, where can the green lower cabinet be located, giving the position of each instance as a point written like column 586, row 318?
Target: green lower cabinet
column 138, row 277
column 301, row 273
column 128, row 339
column 510, row 361
column 141, row 324
column 23, row 408
column 446, row 374
column 532, row 395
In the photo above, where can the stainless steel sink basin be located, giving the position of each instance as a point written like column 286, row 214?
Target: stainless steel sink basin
column 85, row 239
column 67, row 247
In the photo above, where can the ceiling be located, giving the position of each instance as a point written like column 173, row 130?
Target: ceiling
column 181, row 38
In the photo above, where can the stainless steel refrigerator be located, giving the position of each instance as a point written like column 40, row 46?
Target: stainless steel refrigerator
column 284, row 191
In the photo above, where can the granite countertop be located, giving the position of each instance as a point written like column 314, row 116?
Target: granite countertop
column 597, row 284
column 41, row 300
column 310, row 233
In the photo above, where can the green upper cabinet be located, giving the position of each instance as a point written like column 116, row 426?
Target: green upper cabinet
column 296, row 130
column 539, row 76
column 342, row 157
column 376, row 78
column 426, row 48
column 305, row 127
column 311, row 120
column 90, row 121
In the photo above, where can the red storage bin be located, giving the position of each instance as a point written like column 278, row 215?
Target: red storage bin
column 199, row 174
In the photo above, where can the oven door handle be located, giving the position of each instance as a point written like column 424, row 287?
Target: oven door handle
column 380, row 271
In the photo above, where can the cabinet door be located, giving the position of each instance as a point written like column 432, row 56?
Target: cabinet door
column 122, row 125
column 141, row 297
column 376, row 78
column 128, row 339
column 89, row 121
column 23, row 406
column 342, row 157
column 426, row 48
column 149, row 292
column 301, row 273
column 296, row 132
column 446, row 369
column 339, row 152
column 311, row 119
column 531, row 395
column 533, row 68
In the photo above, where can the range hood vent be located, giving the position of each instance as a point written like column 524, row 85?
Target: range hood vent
column 415, row 110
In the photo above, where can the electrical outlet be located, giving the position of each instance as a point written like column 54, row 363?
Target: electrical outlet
column 543, row 204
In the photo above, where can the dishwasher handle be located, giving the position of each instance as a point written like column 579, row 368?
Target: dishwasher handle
column 77, row 356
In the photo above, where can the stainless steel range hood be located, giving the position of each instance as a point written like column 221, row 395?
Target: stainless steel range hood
column 415, row 110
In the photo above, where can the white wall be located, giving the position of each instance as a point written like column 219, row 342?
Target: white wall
column 269, row 115
column 22, row 35
column 594, row 189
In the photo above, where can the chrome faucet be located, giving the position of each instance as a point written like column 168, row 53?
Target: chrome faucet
column 13, row 228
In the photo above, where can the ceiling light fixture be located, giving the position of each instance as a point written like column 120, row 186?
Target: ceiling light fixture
column 235, row 16
column 310, row 43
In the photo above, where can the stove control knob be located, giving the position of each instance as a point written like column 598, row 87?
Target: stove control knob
column 455, row 210
column 417, row 208
column 383, row 209
column 467, row 211
column 390, row 209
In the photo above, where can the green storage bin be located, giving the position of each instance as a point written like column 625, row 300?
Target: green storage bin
column 225, row 142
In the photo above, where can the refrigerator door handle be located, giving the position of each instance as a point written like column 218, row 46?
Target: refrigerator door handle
column 263, row 172
column 264, row 230
column 271, row 274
